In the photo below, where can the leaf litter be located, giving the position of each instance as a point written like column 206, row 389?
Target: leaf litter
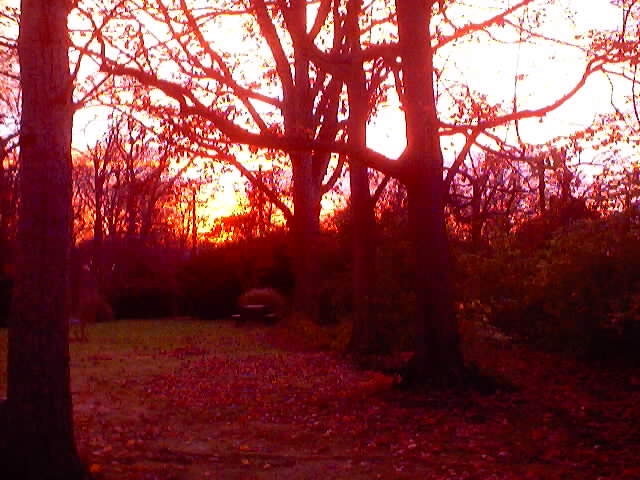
column 219, row 407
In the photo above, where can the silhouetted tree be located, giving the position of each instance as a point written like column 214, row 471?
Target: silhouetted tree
column 38, row 439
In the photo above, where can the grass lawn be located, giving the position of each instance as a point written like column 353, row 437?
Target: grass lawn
column 183, row 399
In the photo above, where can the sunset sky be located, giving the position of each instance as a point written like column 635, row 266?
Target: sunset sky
column 549, row 71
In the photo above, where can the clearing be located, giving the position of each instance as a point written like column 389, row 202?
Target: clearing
column 183, row 399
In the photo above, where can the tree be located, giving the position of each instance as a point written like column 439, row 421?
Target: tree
column 485, row 197
column 438, row 356
column 307, row 108
column 39, row 438
column 364, row 336
column 305, row 111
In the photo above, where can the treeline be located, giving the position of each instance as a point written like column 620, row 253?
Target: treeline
column 540, row 253
column 557, row 270
column 188, row 107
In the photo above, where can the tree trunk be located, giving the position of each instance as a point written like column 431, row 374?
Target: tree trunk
column 477, row 221
column 98, row 226
column 5, row 193
column 131, row 200
column 40, row 440
column 306, row 189
column 365, row 336
column 306, row 235
column 438, row 358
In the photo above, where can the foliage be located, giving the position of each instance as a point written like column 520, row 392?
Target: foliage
column 577, row 292
column 211, row 282
column 139, row 281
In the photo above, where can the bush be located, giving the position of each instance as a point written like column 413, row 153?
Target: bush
column 575, row 293
column 210, row 284
column 143, row 299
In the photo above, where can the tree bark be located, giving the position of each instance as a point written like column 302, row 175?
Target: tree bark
column 306, row 189
column 365, row 337
column 6, row 190
column 306, row 235
column 39, row 424
column 438, row 358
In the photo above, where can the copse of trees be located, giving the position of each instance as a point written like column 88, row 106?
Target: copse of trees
column 208, row 107
column 326, row 70
column 306, row 52
column 575, row 292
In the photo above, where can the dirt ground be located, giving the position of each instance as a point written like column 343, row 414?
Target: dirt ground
column 193, row 400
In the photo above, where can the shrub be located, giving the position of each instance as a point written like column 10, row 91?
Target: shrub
column 210, row 283
column 567, row 294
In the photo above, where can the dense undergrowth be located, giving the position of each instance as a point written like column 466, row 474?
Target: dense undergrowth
column 577, row 291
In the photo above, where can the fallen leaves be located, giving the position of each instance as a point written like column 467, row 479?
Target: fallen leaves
column 270, row 411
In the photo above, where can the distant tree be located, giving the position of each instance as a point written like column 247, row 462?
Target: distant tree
column 485, row 196
column 261, row 210
column 38, row 442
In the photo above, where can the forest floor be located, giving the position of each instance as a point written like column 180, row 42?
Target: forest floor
column 180, row 399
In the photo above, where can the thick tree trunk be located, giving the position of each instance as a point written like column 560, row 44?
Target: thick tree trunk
column 306, row 235
column 306, row 188
column 39, row 424
column 365, row 335
column 5, row 193
column 438, row 357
